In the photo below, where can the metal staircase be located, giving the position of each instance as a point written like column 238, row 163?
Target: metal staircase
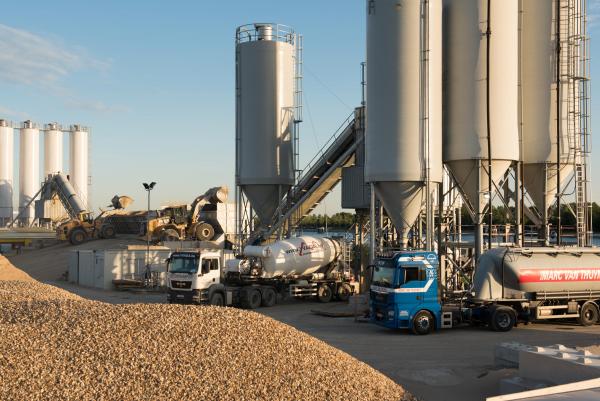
column 316, row 180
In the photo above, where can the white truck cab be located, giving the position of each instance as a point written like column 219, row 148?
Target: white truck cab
column 190, row 274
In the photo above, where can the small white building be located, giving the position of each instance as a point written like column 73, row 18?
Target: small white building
column 99, row 268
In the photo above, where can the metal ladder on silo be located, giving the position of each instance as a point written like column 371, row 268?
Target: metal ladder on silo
column 298, row 107
column 575, row 71
column 581, row 100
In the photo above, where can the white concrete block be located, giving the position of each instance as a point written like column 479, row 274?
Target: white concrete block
column 506, row 355
column 558, row 364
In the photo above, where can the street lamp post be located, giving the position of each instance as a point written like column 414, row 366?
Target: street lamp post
column 148, row 188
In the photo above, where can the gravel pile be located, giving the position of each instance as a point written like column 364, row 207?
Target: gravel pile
column 55, row 345
column 9, row 272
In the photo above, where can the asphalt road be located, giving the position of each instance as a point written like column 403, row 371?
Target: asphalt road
column 455, row 364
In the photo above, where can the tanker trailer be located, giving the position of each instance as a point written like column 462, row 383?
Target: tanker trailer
column 510, row 285
column 301, row 267
column 542, row 283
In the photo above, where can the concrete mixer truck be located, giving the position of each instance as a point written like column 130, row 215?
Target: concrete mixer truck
column 302, row 267
column 509, row 286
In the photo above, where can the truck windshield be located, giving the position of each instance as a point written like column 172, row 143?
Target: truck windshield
column 184, row 264
column 383, row 276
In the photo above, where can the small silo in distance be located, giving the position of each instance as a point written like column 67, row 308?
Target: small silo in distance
column 53, row 149
column 538, row 102
column 7, row 148
column 465, row 131
column 29, row 170
column 402, row 152
column 79, row 161
column 265, row 72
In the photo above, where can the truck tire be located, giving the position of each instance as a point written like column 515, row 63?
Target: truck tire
column 77, row 236
column 269, row 297
column 344, row 291
column 107, row 231
column 423, row 323
column 588, row 314
column 250, row 298
column 502, row 319
column 169, row 235
column 324, row 293
column 216, row 299
column 204, row 231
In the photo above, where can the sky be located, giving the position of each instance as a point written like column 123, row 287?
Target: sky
column 155, row 82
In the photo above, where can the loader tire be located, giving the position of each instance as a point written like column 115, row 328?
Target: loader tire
column 108, row 231
column 169, row 235
column 77, row 236
column 204, row 231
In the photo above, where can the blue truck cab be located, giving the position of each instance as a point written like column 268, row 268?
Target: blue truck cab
column 404, row 292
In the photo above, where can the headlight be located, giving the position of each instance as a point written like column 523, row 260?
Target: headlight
column 390, row 314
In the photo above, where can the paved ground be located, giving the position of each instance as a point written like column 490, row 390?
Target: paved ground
column 449, row 365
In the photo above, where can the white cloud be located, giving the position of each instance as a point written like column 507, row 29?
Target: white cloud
column 29, row 59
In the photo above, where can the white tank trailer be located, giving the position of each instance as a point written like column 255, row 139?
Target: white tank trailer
column 265, row 72
column 302, row 267
column 538, row 103
column 7, row 148
column 79, row 161
column 465, row 134
column 53, row 149
column 542, row 283
column 404, row 103
column 29, row 171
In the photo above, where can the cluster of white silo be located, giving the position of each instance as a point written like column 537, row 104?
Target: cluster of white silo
column 487, row 107
column 31, row 176
column 467, row 96
column 265, row 114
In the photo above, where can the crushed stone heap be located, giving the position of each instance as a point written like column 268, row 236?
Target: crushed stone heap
column 56, row 345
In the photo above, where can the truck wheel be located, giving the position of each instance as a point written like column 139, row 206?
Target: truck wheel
column 324, row 293
column 250, row 298
column 422, row 323
column 269, row 297
column 77, row 236
column 216, row 299
column 169, row 235
column 107, row 231
column 204, row 231
column 588, row 315
column 502, row 319
column 344, row 292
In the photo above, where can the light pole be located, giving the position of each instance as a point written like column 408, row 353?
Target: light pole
column 148, row 188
